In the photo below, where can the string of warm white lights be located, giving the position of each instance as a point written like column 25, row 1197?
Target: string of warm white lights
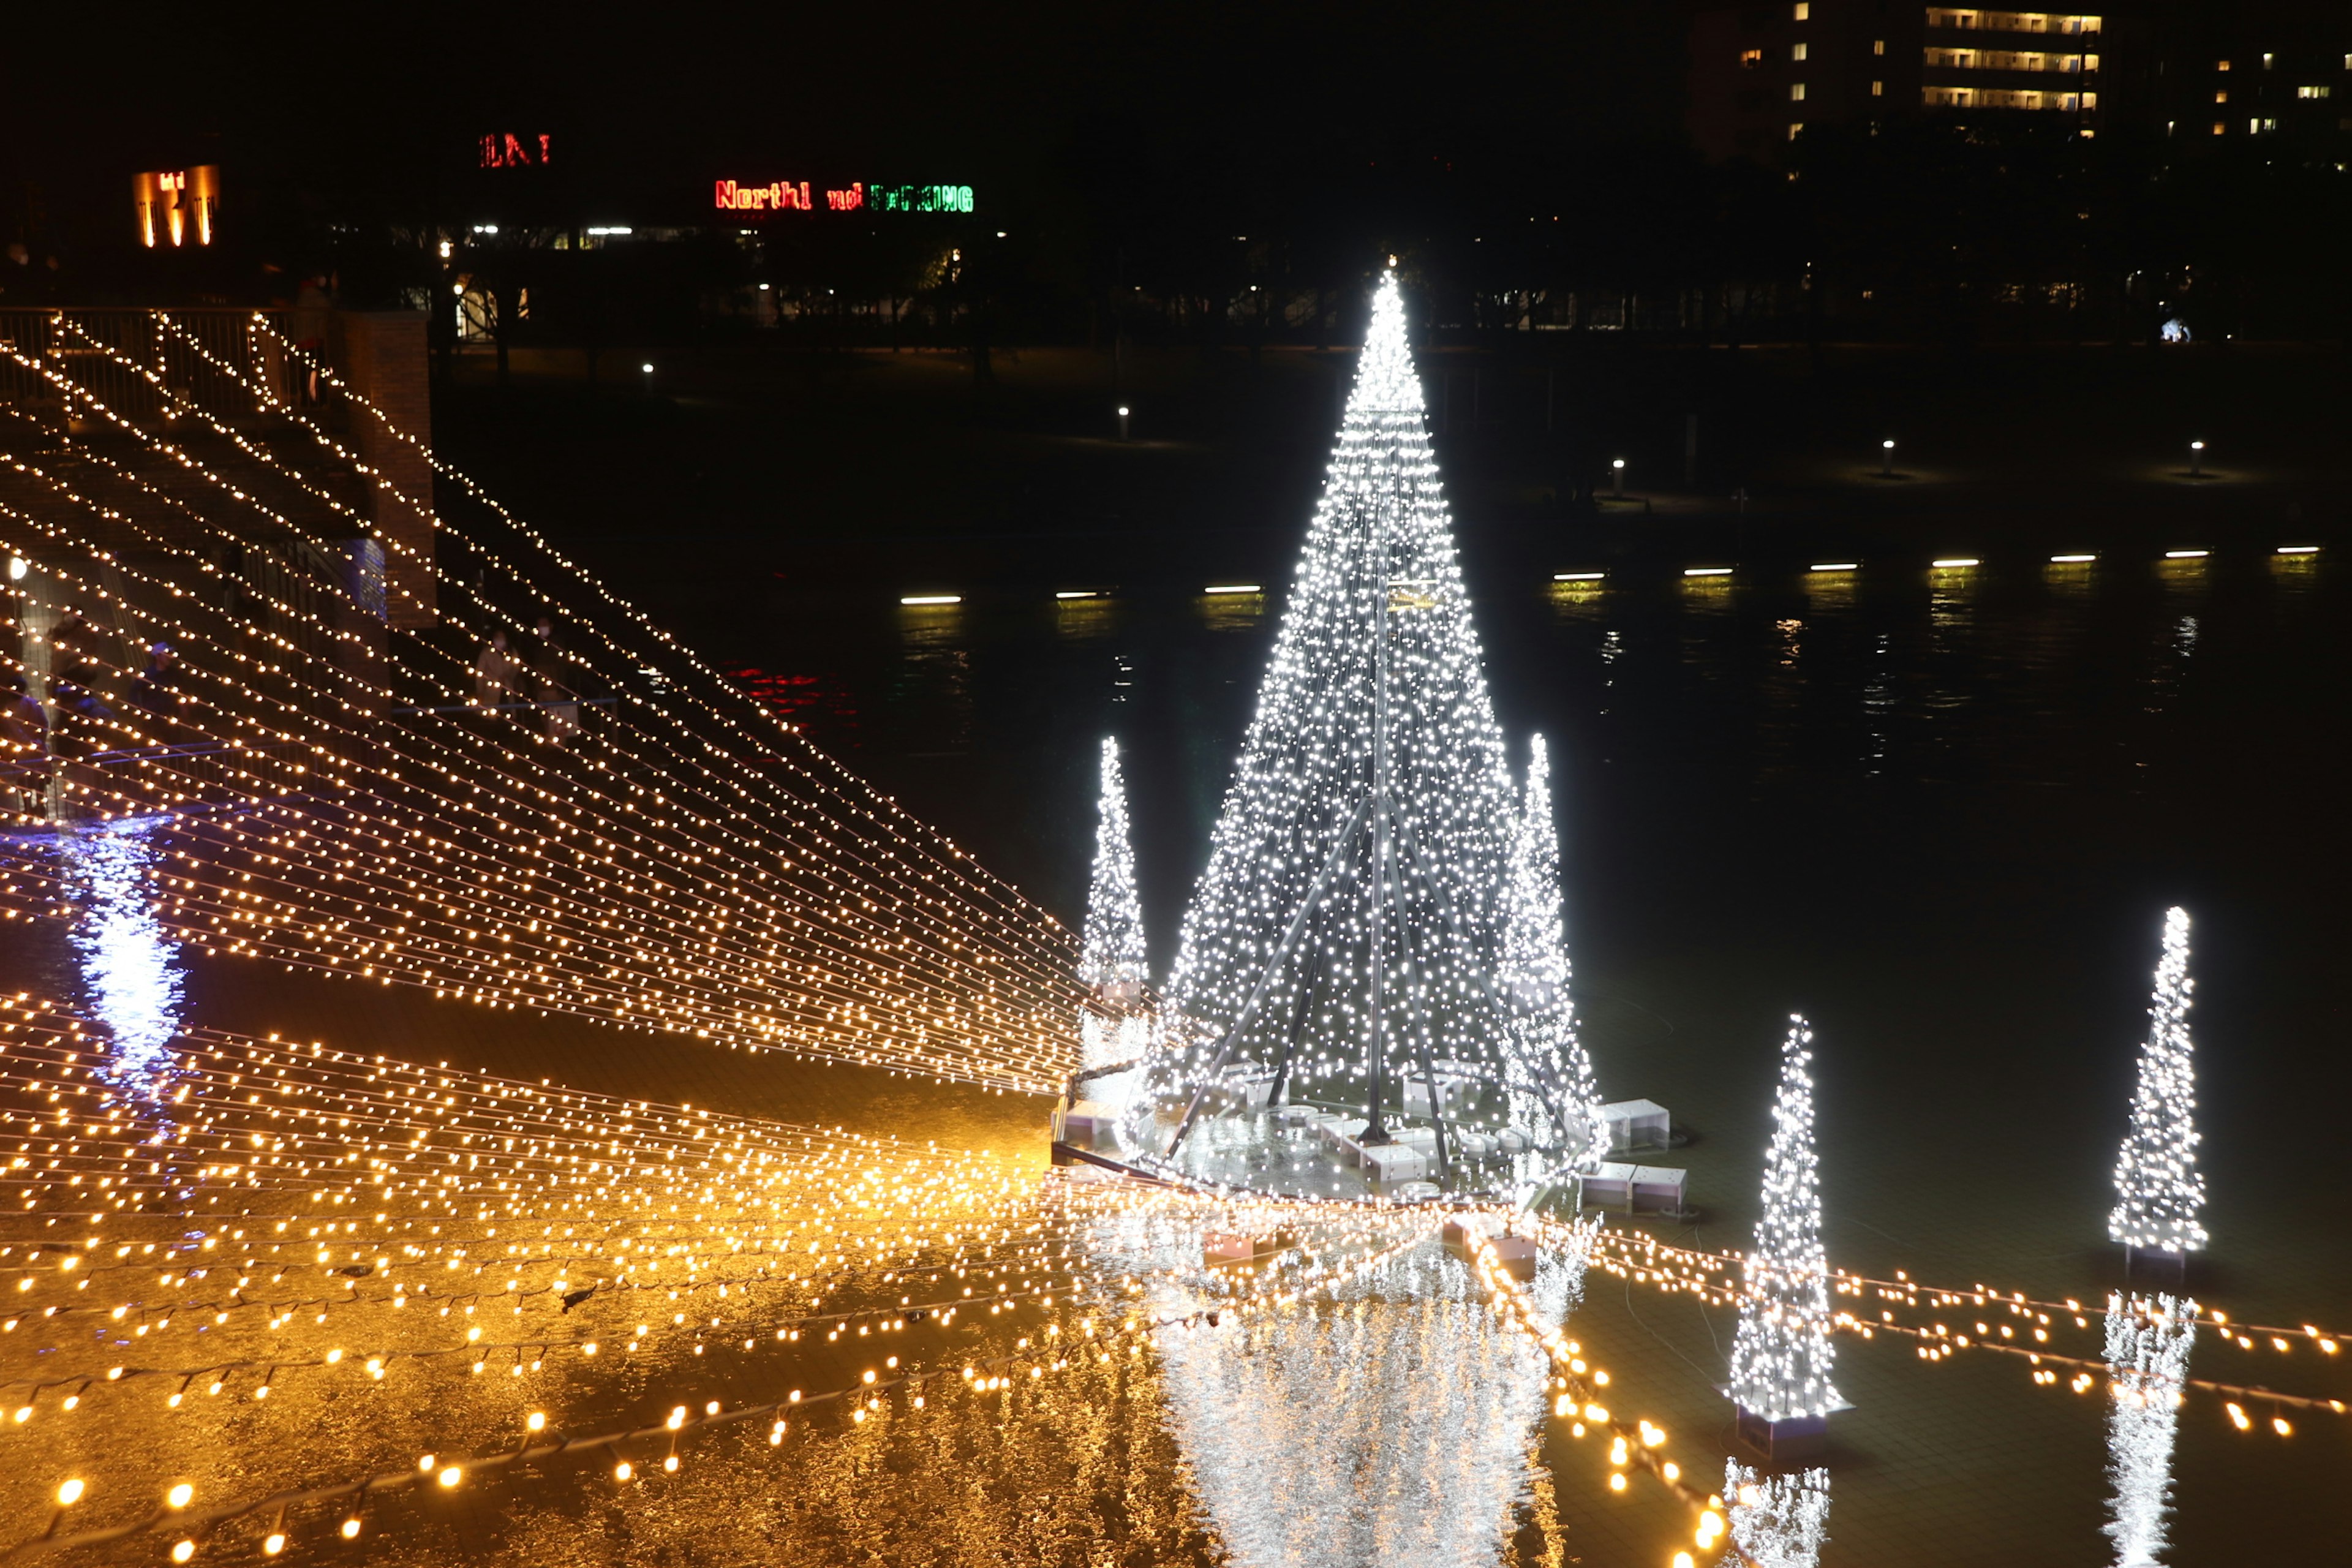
column 280, row 519
column 1635, row 1445
column 885, row 927
column 523, row 1130
column 537, row 545
column 983, row 1375
column 1715, row 1278
column 1644, row 1259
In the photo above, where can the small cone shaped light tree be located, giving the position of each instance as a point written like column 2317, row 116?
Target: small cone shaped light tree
column 1780, row 1361
column 1112, row 964
column 2160, row 1191
column 1550, row 1076
column 1345, row 938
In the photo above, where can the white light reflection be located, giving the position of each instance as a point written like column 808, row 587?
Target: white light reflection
column 130, row 969
column 2147, row 1356
column 1396, row 1423
column 1780, row 1521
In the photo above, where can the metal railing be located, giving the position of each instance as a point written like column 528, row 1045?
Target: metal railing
column 141, row 363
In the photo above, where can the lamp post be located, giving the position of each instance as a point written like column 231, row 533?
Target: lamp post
column 1617, row 476
column 2196, row 460
column 1122, row 421
column 1886, row 458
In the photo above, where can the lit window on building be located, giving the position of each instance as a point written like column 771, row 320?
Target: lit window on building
column 1750, row 58
column 2011, row 60
column 2219, row 129
column 2268, row 61
column 2222, row 98
column 1796, row 92
column 2315, row 92
column 2220, row 65
column 1794, row 128
column 2010, row 21
column 1878, row 46
column 1796, row 51
column 1803, row 11
column 1878, row 89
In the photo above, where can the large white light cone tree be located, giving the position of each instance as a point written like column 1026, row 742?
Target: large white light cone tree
column 1112, row 962
column 2160, row 1194
column 1345, row 937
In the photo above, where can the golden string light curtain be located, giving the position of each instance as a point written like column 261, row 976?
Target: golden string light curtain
column 646, row 848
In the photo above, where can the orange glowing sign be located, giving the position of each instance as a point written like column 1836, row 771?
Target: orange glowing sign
column 177, row 206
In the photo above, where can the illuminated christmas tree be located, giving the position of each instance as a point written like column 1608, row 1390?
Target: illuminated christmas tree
column 2148, row 1343
column 2159, row 1189
column 1345, row 938
column 1780, row 1361
column 1551, row 1085
column 1779, row 1522
column 1112, row 964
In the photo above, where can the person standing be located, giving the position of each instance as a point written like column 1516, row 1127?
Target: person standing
column 156, row 688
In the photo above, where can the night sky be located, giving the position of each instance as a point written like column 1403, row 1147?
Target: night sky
column 357, row 114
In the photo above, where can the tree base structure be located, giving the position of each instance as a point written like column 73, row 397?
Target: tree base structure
column 2156, row 1268
column 1783, row 1442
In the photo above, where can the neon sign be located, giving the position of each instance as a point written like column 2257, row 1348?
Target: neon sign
column 177, row 204
column 507, row 151
column 787, row 196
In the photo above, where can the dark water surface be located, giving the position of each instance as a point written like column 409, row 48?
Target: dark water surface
column 1940, row 812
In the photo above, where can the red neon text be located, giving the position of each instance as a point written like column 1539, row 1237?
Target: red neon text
column 781, row 197
column 507, row 151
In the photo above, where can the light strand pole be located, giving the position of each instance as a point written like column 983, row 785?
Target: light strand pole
column 1375, row 1131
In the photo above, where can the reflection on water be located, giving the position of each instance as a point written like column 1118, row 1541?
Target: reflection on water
column 1232, row 612
column 2148, row 1341
column 130, row 970
column 1085, row 620
column 935, row 673
column 1395, row 1424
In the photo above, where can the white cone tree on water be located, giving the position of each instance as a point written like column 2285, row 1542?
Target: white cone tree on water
column 1781, row 1359
column 1550, row 1076
column 1112, row 962
column 2160, row 1193
column 1345, row 937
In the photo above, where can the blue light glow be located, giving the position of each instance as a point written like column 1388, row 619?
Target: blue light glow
column 129, row 968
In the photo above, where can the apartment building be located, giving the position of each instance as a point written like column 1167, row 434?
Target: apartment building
column 1760, row 74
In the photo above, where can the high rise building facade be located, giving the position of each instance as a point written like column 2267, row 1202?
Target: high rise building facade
column 1761, row 74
